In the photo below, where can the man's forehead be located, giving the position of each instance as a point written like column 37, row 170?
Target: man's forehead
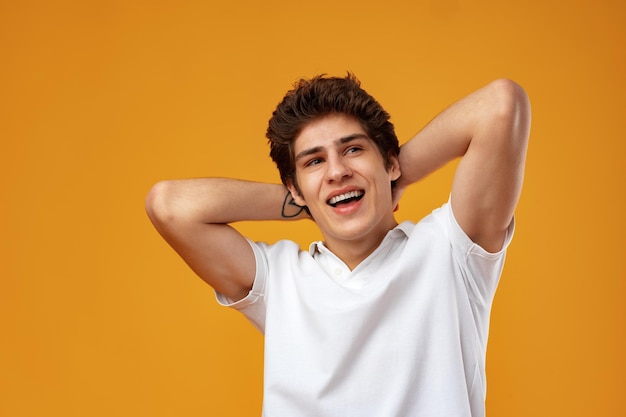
column 329, row 131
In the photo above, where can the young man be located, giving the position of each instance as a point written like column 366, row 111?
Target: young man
column 379, row 319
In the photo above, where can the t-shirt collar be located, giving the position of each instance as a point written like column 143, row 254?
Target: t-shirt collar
column 403, row 229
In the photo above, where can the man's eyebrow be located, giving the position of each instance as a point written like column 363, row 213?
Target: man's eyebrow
column 340, row 141
column 351, row 137
column 308, row 152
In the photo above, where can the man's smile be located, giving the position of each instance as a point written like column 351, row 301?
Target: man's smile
column 345, row 198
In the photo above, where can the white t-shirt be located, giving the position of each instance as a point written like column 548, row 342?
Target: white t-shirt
column 403, row 334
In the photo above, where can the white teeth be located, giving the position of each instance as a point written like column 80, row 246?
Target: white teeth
column 345, row 196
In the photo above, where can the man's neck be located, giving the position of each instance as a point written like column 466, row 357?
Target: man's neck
column 353, row 252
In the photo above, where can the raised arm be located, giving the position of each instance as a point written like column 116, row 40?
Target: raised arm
column 193, row 216
column 489, row 130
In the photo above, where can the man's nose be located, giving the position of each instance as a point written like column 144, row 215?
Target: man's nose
column 337, row 169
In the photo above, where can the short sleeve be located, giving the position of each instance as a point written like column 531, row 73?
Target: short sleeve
column 253, row 305
column 482, row 269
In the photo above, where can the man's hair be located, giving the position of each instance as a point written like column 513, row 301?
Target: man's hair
column 320, row 96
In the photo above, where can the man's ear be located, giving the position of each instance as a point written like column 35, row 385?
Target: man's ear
column 394, row 168
column 297, row 198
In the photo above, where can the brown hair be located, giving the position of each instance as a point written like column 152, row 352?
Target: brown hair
column 320, row 96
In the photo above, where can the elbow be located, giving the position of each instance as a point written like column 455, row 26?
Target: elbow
column 509, row 98
column 511, row 108
column 159, row 204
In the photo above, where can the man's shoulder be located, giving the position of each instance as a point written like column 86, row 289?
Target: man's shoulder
column 436, row 220
column 283, row 248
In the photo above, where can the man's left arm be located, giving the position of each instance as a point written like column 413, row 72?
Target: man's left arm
column 489, row 130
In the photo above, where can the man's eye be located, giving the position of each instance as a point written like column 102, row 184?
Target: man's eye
column 353, row 149
column 312, row 162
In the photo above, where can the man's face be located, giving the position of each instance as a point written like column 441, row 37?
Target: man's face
column 343, row 180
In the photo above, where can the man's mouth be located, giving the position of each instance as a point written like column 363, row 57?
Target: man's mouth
column 346, row 198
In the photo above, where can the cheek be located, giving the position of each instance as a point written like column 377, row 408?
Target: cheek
column 303, row 192
column 309, row 184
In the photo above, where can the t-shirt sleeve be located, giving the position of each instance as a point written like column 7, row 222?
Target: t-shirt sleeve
column 253, row 305
column 482, row 269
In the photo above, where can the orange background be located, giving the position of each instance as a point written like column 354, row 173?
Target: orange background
column 101, row 99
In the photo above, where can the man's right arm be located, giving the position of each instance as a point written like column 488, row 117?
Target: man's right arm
column 193, row 216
